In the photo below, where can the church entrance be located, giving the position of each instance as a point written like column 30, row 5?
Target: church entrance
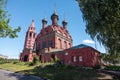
column 25, row 58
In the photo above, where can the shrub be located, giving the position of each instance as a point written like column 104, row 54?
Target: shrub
column 35, row 60
column 49, row 66
column 3, row 61
column 58, row 63
column 15, row 62
column 97, row 67
column 69, row 67
column 31, row 64
column 117, row 68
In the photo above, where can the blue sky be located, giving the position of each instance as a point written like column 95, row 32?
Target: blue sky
column 23, row 11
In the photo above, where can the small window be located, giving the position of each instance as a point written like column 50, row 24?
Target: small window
column 74, row 58
column 34, row 35
column 30, row 34
column 59, row 43
column 43, row 45
column 80, row 58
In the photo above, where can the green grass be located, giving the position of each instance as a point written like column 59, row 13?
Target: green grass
column 15, row 67
column 53, row 72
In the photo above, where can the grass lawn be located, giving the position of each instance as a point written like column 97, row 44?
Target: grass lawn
column 15, row 67
column 52, row 72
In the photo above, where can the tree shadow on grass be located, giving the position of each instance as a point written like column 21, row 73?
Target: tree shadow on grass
column 64, row 73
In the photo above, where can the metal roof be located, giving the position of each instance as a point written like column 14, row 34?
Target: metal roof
column 79, row 46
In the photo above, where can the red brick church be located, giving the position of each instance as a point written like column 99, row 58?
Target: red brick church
column 54, row 41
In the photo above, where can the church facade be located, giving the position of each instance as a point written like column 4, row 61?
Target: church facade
column 54, row 41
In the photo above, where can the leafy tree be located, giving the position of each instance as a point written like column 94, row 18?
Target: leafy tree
column 111, row 58
column 102, row 19
column 5, row 29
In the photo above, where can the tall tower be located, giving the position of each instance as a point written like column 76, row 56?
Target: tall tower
column 30, row 37
column 27, row 54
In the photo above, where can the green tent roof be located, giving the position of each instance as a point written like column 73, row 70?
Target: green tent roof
column 79, row 46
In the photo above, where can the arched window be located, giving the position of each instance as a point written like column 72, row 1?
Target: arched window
column 34, row 35
column 25, row 58
column 65, row 44
column 59, row 43
column 30, row 34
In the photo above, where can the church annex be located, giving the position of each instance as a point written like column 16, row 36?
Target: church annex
column 54, row 41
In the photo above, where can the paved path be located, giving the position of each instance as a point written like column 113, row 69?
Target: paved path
column 115, row 74
column 8, row 75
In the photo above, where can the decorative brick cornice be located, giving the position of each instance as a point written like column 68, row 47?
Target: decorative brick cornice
column 45, row 36
column 63, row 37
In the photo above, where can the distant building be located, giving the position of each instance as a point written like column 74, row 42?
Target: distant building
column 54, row 41
column 2, row 56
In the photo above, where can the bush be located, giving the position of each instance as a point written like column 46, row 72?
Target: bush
column 97, row 67
column 69, row 67
column 31, row 64
column 3, row 61
column 35, row 60
column 58, row 63
column 49, row 66
column 116, row 68
column 15, row 62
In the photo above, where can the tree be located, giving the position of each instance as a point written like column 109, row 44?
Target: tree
column 110, row 58
column 102, row 19
column 5, row 29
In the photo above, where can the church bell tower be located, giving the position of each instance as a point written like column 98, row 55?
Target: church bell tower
column 27, row 54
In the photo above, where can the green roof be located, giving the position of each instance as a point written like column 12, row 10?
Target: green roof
column 79, row 46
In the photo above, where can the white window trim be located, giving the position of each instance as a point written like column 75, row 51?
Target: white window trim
column 66, row 53
column 80, row 59
column 74, row 59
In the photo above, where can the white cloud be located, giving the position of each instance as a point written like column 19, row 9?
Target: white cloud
column 88, row 41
